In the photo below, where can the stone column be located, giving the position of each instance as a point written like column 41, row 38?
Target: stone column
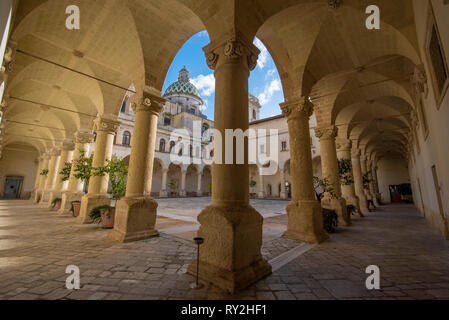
column 199, row 192
column 60, row 186
column 52, row 174
column 232, row 229
column 106, row 127
column 283, row 194
column 304, row 214
column 163, row 192
column 371, row 184
column 363, row 164
column 75, row 187
column 42, row 179
column 38, row 177
column 136, row 213
column 329, row 164
column 182, row 191
column 261, row 194
column 348, row 191
column 358, row 181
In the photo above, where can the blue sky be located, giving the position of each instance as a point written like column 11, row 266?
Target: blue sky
column 264, row 81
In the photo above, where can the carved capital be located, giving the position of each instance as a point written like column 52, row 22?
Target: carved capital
column 344, row 145
column 107, row 124
column 326, row 133
column 83, row 137
column 300, row 107
column 151, row 102
column 46, row 156
column 334, row 4
column 67, row 145
column 231, row 50
column 55, row 152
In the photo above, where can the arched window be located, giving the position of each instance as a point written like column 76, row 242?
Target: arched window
column 123, row 109
column 172, row 146
column 126, row 140
column 254, row 115
column 162, row 145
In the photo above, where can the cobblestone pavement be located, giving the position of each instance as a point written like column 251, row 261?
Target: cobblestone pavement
column 36, row 246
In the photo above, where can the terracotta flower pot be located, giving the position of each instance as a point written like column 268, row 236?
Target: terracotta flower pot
column 107, row 218
column 76, row 209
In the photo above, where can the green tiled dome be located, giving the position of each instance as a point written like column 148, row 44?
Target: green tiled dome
column 183, row 85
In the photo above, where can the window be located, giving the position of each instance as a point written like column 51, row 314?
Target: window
column 123, row 109
column 254, row 115
column 284, row 146
column 172, row 146
column 126, row 140
column 95, row 135
column 162, row 145
column 192, row 111
column 437, row 61
column 167, row 121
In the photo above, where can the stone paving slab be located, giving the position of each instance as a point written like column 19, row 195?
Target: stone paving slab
column 38, row 245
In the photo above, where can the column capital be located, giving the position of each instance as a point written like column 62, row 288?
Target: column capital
column 107, row 123
column 344, row 144
column 151, row 102
column 326, row 133
column 84, row 137
column 355, row 153
column 67, row 145
column 230, row 50
column 334, row 4
column 46, row 156
column 292, row 108
column 55, row 152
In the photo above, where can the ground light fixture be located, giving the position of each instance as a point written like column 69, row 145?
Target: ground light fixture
column 196, row 285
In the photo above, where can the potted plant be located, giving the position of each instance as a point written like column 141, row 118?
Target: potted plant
column 330, row 220
column 345, row 172
column 83, row 167
column 56, row 203
column 325, row 186
column 117, row 171
column 75, row 208
column 65, row 172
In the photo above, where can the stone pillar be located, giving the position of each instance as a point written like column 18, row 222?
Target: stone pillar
column 38, row 177
column 163, row 192
column 371, row 184
column 182, row 191
column 364, row 171
column 199, row 191
column 52, row 174
column 358, row 181
column 60, row 186
column 106, row 127
column 304, row 214
column 329, row 164
column 283, row 194
column 261, row 194
column 348, row 191
column 42, row 179
column 74, row 192
column 232, row 229
column 136, row 213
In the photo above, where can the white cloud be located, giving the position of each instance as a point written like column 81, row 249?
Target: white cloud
column 269, row 91
column 270, row 73
column 263, row 56
column 205, row 84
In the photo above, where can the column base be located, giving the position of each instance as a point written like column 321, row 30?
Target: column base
column 45, row 196
column 261, row 195
column 89, row 202
column 283, row 195
column 67, row 198
column 53, row 195
column 182, row 193
column 163, row 194
column 305, row 222
column 37, row 196
column 339, row 205
column 230, row 257
column 363, row 203
column 135, row 218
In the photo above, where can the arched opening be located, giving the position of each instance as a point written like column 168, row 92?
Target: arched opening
column 174, row 176
column 206, row 181
column 192, row 180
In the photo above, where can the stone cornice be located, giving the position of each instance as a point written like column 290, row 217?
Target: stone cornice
column 326, row 133
column 293, row 108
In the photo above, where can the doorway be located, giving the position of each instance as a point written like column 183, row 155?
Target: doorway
column 13, row 187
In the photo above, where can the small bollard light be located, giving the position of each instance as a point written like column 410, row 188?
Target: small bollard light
column 196, row 285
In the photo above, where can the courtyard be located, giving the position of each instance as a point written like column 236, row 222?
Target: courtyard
column 36, row 246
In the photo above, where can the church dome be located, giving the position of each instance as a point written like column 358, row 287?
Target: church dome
column 183, row 85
